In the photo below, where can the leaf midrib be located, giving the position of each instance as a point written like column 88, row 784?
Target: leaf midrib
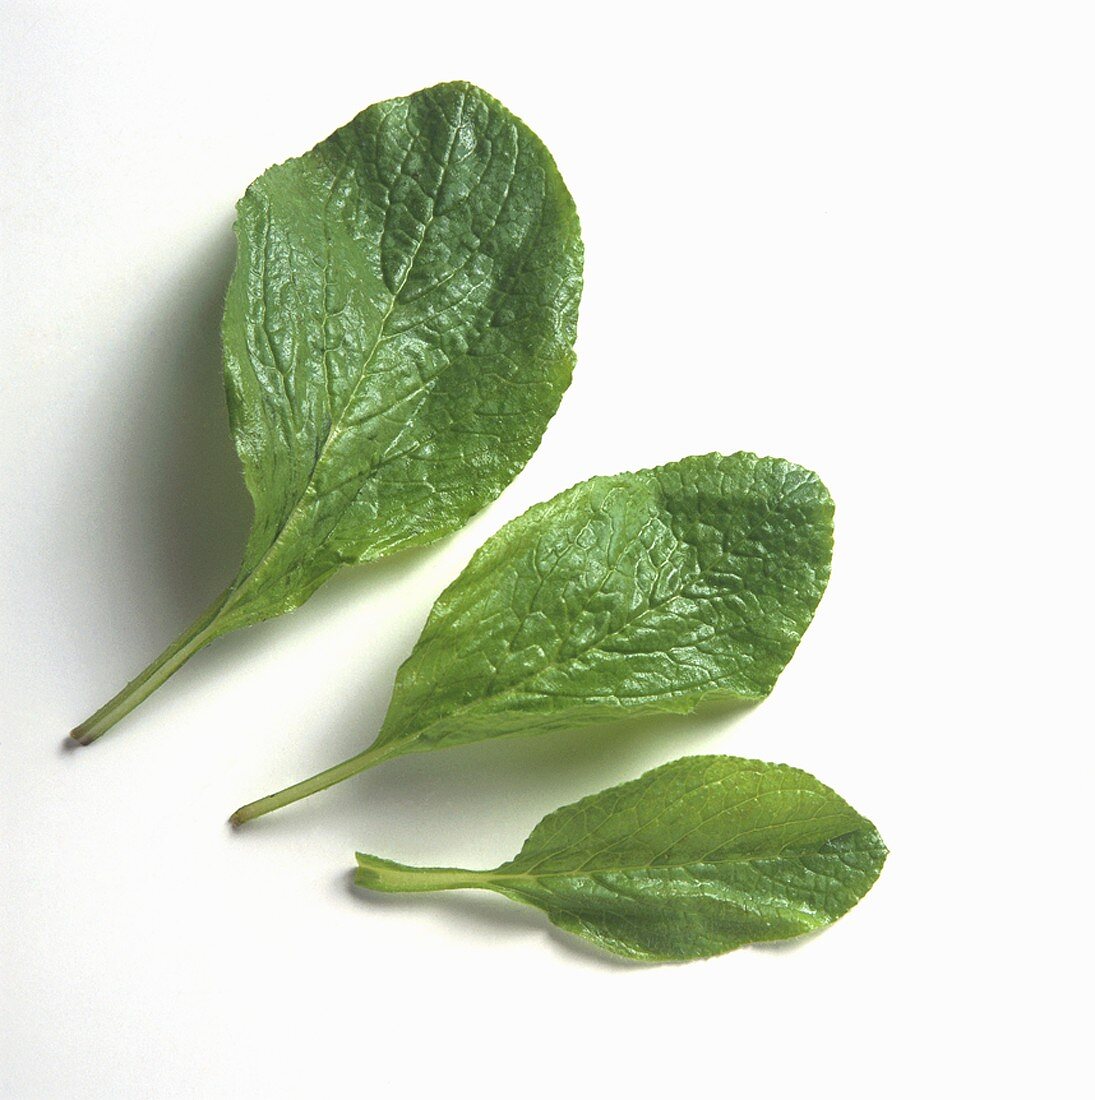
column 588, row 872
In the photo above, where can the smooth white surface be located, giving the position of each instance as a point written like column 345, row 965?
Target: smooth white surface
column 856, row 235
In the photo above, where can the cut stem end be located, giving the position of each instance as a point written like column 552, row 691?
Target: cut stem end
column 372, row 756
column 389, row 877
column 198, row 635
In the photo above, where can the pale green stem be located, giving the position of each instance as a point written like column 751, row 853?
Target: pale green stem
column 200, row 634
column 396, row 878
column 372, row 756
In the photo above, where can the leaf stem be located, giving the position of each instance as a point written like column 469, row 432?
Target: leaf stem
column 372, row 756
column 385, row 875
column 195, row 637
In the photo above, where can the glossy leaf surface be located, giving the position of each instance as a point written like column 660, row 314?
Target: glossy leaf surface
column 397, row 334
column 643, row 592
column 693, row 859
column 627, row 595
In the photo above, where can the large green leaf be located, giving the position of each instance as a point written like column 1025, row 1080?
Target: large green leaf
column 397, row 334
column 694, row 858
column 627, row 595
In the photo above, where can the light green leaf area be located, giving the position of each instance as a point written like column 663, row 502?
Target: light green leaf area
column 695, row 858
column 643, row 592
column 398, row 332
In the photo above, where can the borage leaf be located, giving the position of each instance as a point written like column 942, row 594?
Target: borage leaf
column 627, row 595
column 694, row 858
column 398, row 332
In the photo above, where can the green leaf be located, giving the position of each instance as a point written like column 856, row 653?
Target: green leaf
column 641, row 593
column 397, row 334
column 693, row 859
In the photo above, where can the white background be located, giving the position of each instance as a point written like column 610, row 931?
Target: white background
column 859, row 236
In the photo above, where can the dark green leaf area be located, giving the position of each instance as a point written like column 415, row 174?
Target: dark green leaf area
column 398, row 333
column 643, row 592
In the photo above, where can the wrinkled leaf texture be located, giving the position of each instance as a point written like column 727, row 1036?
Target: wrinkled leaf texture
column 397, row 334
column 643, row 592
column 635, row 594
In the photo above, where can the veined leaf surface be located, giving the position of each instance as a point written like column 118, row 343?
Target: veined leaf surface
column 627, row 595
column 397, row 334
column 695, row 858
column 648, row 591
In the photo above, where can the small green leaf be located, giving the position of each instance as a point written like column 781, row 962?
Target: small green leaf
column 695, row 858
column 635, row 594
column 397, row 334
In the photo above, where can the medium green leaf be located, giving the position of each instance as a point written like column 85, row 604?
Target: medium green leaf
column 397, row 334
column 641, row 593
column 693, row 859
